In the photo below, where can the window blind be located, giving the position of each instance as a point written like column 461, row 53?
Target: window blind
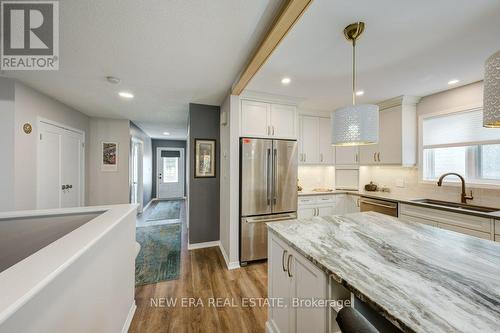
column 457, row 129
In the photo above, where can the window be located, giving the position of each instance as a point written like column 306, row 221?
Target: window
column 170, row 169
column 458, row 142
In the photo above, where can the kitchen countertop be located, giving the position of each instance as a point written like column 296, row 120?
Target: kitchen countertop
column 403, row 199
column 421, row 278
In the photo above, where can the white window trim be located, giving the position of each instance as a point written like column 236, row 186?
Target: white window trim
column 447, row 182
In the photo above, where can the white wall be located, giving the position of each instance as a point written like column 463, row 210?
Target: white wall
column 107, row 188
column 7, row 119
column 29, row 105
column 394, row 177
column 229, row 182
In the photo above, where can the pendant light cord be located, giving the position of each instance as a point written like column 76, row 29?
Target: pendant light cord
column 354, row 72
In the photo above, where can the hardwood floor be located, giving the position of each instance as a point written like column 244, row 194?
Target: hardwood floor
column 204, row 278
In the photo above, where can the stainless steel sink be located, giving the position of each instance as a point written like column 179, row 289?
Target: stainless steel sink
column 457, row 205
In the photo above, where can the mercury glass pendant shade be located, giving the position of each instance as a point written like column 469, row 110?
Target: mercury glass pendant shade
column 355, row 125
column 491, row 107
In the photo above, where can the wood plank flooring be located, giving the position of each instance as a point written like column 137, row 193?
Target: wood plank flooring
column 204, row 276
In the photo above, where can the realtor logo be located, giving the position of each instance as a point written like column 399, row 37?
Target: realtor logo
column 29, row 35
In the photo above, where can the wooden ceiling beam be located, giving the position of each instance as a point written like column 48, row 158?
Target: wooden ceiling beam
column 290, row 13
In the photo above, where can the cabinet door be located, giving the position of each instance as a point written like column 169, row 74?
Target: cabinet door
column 255, row 119
column 326, row 211
column 309, row 282
column 390, row 137
column 309, row 134
column 283, row 121
column 305, row 212
column 368, row 154
column 326, row 151
column 279, row 284
column 346, row 155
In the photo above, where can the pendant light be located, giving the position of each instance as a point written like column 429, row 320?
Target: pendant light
column 357, row 124
column 491, row 107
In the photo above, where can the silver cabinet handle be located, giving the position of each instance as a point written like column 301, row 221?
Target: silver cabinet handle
column 378, row 156
column 375, row 157
column 305, row 157
column 321, row 157
column 356, row 158
column 273, row 129
column 288, row 265
column 283, row 260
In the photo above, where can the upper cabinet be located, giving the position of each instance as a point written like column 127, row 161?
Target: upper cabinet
column 314, row 141
column 347, row 155
column 268, row 120
column 397, row 143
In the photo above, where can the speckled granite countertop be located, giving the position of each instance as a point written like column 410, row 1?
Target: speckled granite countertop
column 421, row 278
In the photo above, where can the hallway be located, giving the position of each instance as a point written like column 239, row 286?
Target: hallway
column 203, row 278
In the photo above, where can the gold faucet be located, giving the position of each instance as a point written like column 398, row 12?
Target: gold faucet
column 463, row 197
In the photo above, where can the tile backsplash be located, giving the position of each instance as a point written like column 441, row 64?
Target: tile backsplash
column 316, row 176
column 404, row 181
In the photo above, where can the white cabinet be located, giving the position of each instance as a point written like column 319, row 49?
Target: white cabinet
column 314, row 141
column 306, row 212
column 397, row 143
column 497, row 230
column 267, row 120
column 316, row 205
column 463, row 223
column 348, row 155
column 291, row 276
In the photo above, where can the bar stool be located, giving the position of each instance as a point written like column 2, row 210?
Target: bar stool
column 351, row 321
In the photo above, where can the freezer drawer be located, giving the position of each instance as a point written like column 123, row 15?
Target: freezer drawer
column 254, row 235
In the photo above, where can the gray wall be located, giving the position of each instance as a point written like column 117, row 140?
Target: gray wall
column 158, row 143
column 204, row 192
column 109, row 188
column 7, row 147
column 31, row 105
column 147, row 162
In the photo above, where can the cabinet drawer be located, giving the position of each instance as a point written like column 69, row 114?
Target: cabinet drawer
column 408, row 218
column 497, row 227
column 309, row 200
column 325, row 199
column 465, row 231
column 450, row 218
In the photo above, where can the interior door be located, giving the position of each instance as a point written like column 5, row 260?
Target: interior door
column 170, row 173
column 60, row 167
column 256, row 182
column 284, row 174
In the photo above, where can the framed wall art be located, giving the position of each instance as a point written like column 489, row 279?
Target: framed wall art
column 204, row 158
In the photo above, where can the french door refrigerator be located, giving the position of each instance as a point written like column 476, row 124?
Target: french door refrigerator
column 268, row 191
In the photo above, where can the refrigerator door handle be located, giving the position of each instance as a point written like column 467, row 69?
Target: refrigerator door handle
column 269, row 179
column 275, row 178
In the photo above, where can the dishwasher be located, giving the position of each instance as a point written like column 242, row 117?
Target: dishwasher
column 379, row 206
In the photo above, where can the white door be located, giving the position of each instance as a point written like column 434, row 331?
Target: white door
column 255, row 119
column 60, row 167
column 309, row 134
column 326, row 151
column 170, row 173
column 136, row 178
column 283, row 121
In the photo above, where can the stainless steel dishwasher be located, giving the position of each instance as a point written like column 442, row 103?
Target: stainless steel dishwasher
column 379, row 206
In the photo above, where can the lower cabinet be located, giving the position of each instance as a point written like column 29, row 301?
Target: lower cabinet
column 329, row 204
column 476, row 226
column 293, row 281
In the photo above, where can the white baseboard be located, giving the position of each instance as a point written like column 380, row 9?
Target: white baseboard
column 130, row 316
column 229, row 265
column 270, row 327
column 202, row 245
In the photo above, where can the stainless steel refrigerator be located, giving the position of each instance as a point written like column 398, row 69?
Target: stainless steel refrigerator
column 268, row 191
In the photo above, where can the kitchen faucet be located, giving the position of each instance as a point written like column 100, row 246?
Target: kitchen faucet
column 464, row 197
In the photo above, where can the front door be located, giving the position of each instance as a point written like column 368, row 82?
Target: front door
column 170, row 173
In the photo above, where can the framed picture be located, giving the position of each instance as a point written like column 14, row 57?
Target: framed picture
column 204, row 158
column 109, row 157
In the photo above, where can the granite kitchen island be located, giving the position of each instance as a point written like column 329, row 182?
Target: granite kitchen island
column 419, row 278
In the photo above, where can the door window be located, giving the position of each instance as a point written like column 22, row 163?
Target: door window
column 170, row 169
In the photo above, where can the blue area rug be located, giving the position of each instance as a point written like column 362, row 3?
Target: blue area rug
column 165, row 210
column 160, row 255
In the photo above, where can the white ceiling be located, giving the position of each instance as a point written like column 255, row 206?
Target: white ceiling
column 167, row 52
column 409, row 47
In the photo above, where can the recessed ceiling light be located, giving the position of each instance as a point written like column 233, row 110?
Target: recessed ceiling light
column 126, row 94
column 452, row 82
column 286, row 80
column 360, row 93
column 166, row 133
